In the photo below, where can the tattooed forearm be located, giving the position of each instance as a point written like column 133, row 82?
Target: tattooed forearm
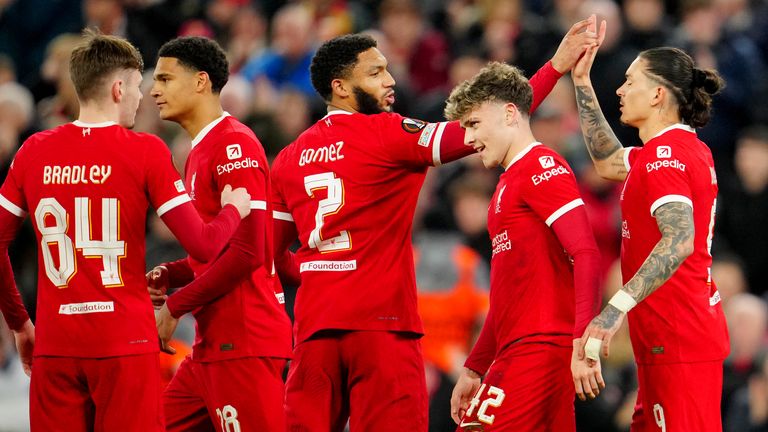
column 600, row 139
column 607, row 318
column 675, row 221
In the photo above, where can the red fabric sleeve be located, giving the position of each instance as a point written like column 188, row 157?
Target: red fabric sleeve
column 286, row 265
column 10, row 300
column 180, row 273
column 202, row 241
column 484, row 351
column 243, row 256
column 575, row 234
column 542, row 83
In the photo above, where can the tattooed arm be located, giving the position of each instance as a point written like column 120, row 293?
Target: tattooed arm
column 675, row 221
column 605, row 149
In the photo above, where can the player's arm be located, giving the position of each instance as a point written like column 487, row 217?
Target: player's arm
column 204, row 241
column 285, row 234
column 574, row 232
column 476, row 365
column 675, row 222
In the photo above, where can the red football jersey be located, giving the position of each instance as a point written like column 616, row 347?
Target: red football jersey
column 532, row 292
column 87, row 188
column 683, row 320
column 350, row 184
column 250, row 320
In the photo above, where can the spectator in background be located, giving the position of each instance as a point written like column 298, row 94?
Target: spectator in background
column 17, row 110
column 728, row 274
column 749, row 410
column 646, row 22
column 747, row 317
column 63, row 106
column 247, row 37
column 742, row 211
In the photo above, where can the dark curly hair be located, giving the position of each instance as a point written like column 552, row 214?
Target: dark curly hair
column 336, row 59
column 692, row 87
column 200, row 55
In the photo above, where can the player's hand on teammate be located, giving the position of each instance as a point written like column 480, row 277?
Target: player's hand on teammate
column 587, row 378
column 465, row 389
column 157, row 285
column 166, row 326
column 25, row 344
column 583, row 65
column 599, row 332
column 581, row 37
column 239, row 198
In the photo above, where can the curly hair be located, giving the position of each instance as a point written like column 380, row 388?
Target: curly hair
column 98, row 57
column 335, row 59
column 200, row 55
column 692, row 87
column 496, row 82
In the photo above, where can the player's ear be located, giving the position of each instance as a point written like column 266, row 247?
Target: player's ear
column 202, row 80
column 116, row 90
column 512, row 114
column 340, row 88
column 659, row 95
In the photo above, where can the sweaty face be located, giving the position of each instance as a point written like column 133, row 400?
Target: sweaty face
column 485, row 131
column 371, row 83
column 131, row 88
column 174, row 89
column 636, row 95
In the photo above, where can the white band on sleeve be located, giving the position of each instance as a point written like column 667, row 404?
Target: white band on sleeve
column 563, row 210
column 622, row 301
column 668, row 199
column 592, row 348
column 282, row 216
column 258, row 205
column 627, row 150
column 11, row 207
column 172, row 204
column 436, row 144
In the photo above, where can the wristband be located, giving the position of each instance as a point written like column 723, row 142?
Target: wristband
column 622, row 301
column 592, row 348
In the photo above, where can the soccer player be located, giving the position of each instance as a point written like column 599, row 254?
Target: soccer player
column 676, row 322
column 88, row 185
column 347, row 187
column 233, row 380
column 540, row 302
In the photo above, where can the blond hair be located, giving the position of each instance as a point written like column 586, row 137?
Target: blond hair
column 496, row 82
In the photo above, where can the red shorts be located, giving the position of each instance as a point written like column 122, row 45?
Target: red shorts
column 373, row 378
column 243, row 394
column 106, row 394
column 679, row 397
column 528, row 388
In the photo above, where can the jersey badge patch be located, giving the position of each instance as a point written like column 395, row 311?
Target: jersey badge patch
column 412, row 125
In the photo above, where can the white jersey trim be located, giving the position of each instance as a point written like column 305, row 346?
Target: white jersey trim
column 200, row 135
column 522, row 153
column 258, row 205
column 12, row 208
column 675, row 126
column 563, row 210
column 627, row 151
column 83, row 124
column 668, row 199
column 436, row 143
column 334, row 112
column 172, row 204
column 282, row 216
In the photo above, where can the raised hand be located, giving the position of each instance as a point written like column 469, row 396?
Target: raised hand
column 239, row 197
column 583, row 66
column 581, row 37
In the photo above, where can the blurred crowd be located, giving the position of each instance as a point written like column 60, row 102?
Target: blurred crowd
column 431, row 46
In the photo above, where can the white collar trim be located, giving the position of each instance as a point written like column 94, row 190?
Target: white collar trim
column 684, row 127
column 334, row 112
column 200, row 135
column 79, row 123
column 522, row 153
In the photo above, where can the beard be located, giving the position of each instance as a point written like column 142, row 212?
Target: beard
column 366, row 103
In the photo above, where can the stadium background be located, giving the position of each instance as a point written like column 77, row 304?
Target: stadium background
column 431, row 45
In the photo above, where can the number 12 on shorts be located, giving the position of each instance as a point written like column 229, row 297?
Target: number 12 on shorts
column 494, row 397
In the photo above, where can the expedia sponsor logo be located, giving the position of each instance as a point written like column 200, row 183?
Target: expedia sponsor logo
column 547, row 161
column 657, row 165
column 537, row 179
column 663, row 152
column 501, row 243
column 234, row 152
column 412, row 125
column 232, row 166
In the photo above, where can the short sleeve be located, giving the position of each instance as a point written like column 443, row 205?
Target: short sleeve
column 550, row 189
column 630, row 156
column 164, row 186
column 238, row 161
column 664, row 175
column 12, row 196
column 413, row 142
column 280, row 209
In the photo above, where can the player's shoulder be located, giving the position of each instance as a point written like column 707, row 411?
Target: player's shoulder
column 231, row 133
column 540, row 156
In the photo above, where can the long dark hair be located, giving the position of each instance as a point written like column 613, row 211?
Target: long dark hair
column 692, row 87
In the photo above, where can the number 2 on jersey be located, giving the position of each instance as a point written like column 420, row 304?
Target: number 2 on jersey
column 326, row 207
column 109, row 248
